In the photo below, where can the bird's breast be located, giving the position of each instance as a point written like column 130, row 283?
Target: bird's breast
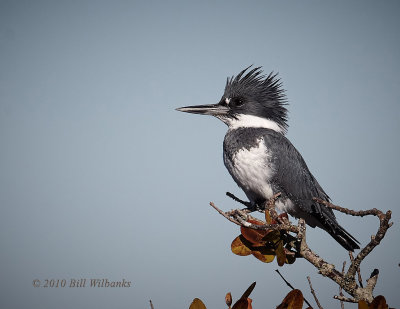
column 252, row 169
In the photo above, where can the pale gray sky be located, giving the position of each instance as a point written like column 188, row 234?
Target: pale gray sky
column 101, row 178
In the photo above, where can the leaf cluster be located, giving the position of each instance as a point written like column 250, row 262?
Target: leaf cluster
column 293, row 300
column 379, row 302
column 266, row 244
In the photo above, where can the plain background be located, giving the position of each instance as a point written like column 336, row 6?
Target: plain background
column 101, row 178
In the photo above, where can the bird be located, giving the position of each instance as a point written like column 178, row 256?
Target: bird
column 261, row 159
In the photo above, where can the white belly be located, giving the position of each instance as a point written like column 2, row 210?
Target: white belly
column 252, row 170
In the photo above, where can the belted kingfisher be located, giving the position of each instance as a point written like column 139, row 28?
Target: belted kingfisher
column 259, row 157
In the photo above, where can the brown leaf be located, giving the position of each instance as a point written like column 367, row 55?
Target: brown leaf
column 294, row 300
column 241, row 304
column 250, row 289
column 379, row 302
column 252, row 235
column 240, row 246
column 280, row 254
column 272, row 236
column 228, row 299
column 197, row 304
column 362, row 304
column 265, row 255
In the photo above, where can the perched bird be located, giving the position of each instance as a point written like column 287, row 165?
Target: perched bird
column 259, row 157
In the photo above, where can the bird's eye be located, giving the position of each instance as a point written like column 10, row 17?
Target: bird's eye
column 237, row 102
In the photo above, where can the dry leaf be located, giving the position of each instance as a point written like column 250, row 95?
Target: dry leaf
column 240, row 246
column 241, row 304
column 294, row 300
column 245, row 302
column 197, row 304
column 362, row 304
column 250, row 289
column 280, row 254
column 272, row 236
column 379, row 302
column 252, row 235
column 228, row 299
column 264, row 254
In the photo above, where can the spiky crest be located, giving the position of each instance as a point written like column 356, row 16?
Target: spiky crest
column 265, row 91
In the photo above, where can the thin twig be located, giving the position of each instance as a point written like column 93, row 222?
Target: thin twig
column 151, row 305
column 236, row 199
column 313, row 293
column 346, row 299
column 287, row 282
column 237, row 216
column 234, row 212
column 358, row 213
column 223, row 213
column 289, row 285
column 340, row 287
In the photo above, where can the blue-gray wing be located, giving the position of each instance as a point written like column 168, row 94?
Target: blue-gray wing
column 292, row 175
column 294, row 180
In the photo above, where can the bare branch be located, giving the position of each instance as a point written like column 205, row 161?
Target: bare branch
column 291, row 286
column 239, row 217
column 346, row 281
column 359, row 213
column 326, row 269
column 358, row 269
column 313, row 293
column 224, row 214
column 346, row 299
column 375, row 241
column 371, row 282
column 151, row 305
column 350, row 286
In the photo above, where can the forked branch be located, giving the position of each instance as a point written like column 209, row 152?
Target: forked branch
column 345, row 280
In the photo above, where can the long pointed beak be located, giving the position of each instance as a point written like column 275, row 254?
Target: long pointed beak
column 211, row 109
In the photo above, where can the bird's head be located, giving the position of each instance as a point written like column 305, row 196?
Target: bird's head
column 250, row 99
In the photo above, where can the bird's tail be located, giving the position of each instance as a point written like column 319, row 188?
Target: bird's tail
column 344, row 238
